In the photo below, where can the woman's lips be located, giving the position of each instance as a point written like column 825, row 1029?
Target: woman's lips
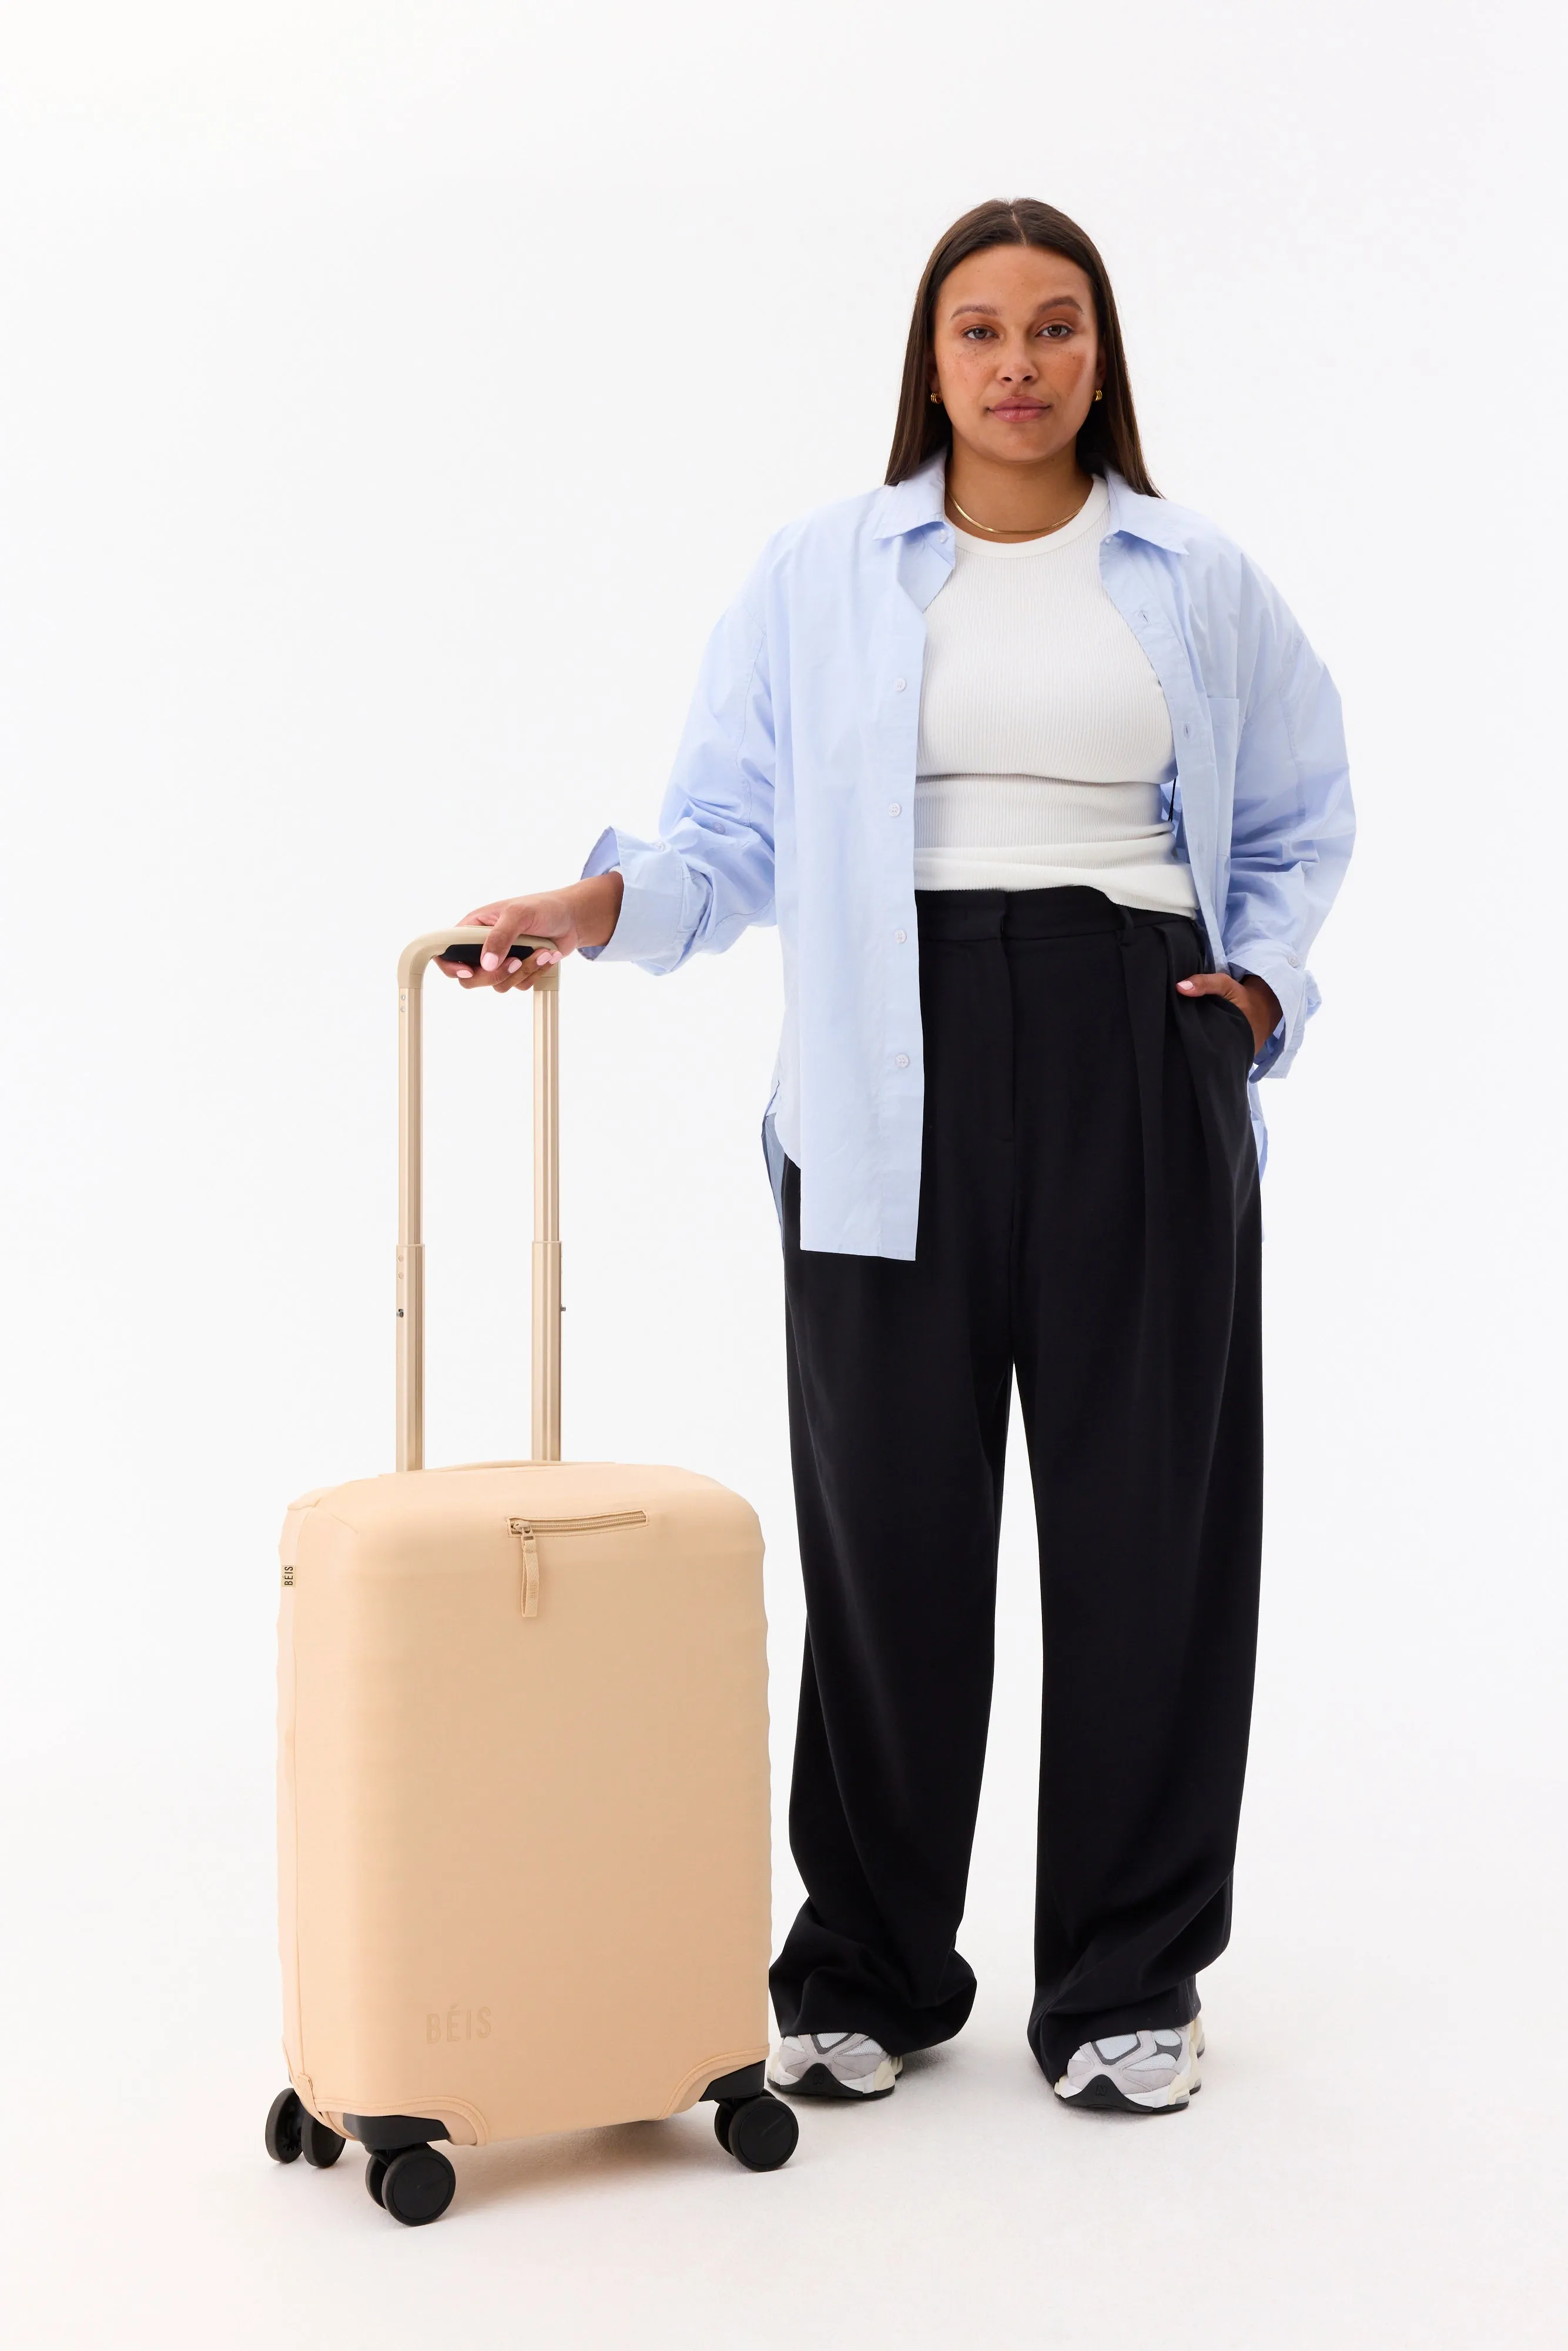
column 1018, row 410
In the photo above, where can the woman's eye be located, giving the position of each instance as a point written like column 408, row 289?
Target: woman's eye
column 1056, row 328
column 974, row 331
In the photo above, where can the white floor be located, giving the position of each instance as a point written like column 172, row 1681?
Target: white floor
column 1376, row 2157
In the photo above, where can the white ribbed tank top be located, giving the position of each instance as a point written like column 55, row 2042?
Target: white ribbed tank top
column 1044, row 738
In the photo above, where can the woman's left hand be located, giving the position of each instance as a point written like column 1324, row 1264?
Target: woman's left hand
column 1255, row 998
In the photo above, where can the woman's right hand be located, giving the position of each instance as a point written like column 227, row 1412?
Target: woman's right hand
column 583, row 915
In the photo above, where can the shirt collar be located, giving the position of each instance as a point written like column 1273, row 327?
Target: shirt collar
column 916, row 502
column 1143, row 517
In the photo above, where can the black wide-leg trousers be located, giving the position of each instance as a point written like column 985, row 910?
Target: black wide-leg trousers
column 1088, row 1222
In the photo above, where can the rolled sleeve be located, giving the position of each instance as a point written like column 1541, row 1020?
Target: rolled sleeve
column 652, row 928
column 1297, row 991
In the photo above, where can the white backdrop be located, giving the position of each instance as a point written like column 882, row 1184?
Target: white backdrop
column 392, row 398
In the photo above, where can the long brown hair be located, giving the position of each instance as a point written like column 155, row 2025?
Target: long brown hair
column 1109, row 436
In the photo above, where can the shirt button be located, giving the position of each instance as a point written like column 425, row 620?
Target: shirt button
column 901, row 1060
column 898, row 685
column 1293, row 960
column 895, row 808
column 899, row 937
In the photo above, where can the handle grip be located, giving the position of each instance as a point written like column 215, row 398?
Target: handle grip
column 466, row 950
column 462, row 945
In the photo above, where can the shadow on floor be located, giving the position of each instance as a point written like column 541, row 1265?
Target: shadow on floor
column 682, row 2148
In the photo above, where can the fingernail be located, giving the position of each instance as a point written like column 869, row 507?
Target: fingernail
column 513, row 964
column 1186, row 987
column 489, row 962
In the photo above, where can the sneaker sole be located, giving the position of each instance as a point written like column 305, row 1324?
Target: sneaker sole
column 817, row 2082
column 1103, row 2096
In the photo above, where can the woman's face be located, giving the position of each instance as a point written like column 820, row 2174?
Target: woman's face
column 1017, row 352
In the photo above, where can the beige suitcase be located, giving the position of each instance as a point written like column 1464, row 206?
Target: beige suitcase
column 523, row 1801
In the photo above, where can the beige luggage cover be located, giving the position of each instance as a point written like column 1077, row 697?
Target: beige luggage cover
column 522, row 1792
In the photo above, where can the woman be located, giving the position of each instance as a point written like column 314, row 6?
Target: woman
column 1047, row 794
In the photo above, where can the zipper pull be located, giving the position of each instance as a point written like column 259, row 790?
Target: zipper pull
column 525, row 1534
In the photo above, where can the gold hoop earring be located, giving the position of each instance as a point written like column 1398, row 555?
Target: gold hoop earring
column 935, row 400
column 1098, row 394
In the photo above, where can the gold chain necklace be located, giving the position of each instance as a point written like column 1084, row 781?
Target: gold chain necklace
column 997, row 531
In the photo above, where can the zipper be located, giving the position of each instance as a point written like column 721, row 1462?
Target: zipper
column 528, row 1530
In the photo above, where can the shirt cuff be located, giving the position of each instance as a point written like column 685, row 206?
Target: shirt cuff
column 650, row 928
column 1297, row 991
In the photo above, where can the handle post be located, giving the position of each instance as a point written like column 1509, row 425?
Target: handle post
column 546, row 992
column 546, row 1382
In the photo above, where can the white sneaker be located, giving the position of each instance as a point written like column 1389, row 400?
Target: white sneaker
column 832, row 2065
column 1150, row 2073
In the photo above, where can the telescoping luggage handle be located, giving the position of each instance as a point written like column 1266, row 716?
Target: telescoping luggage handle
column 410, row 1203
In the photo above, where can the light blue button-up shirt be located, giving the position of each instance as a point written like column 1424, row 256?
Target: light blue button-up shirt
column 792, row 801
